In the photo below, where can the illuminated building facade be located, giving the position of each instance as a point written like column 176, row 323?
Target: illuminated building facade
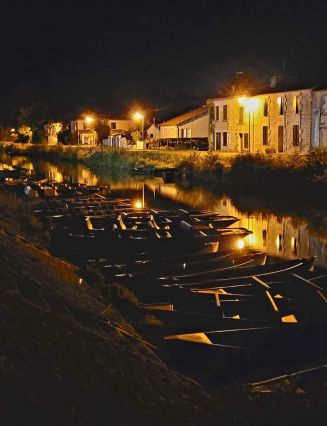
column 271, row 122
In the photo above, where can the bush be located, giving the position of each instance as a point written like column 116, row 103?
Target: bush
column 317, row 162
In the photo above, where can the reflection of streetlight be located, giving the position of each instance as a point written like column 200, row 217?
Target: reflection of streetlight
column 139, row 116
column 240, row 244
column 138, row 204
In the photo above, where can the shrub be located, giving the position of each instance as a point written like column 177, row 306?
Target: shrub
column 317, row 162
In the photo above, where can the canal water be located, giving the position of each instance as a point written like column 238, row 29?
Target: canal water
column 280, row 233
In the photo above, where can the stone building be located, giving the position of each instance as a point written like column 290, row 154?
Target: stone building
column 275, row 121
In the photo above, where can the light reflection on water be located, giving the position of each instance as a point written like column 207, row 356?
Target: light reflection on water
column 278, row 235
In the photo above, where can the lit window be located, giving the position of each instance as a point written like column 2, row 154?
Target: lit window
column 296, row 104
column 265, row 108
column 280, row 104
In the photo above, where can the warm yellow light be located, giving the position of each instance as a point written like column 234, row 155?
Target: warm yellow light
column 279, row 100
column 138, row 116
column 251, row 239
column 241, row 101
column 89, row 119
column 138, row 204
column 252, row 104
column 13, row 130
column 278, row 242
column 240, row 244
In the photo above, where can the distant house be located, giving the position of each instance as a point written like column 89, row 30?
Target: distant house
column 84, row 128
column 153, row 132
column 119, row 124
column 191, row 124
column 86, row 133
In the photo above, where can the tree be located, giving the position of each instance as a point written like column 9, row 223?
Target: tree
column 24, row 134
column 5, row 134
column 102, row 130
column 67, row 138
column 136, row 135
column 38, row 136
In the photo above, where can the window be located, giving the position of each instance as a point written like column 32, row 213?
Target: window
column 246, row 141
column 296, row 104
column 280, row 105
column 113, row 125
column 217, row 113
column 218, row 141
column 296, row 135
column 265, row 135
column 225, row 138
column 265, row 108
column 241, row 115
column 225, row 113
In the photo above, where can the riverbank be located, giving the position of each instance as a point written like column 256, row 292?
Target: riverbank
column 273, row 174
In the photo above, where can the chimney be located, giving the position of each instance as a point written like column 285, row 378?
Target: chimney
column 274, row 80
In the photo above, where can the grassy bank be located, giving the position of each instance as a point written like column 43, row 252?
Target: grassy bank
column 252, row 171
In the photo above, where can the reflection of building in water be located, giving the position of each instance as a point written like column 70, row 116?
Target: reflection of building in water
column 22, row 162
column 277, row 235
column 77, row 174
column 281, row 236
column 318, row 248
column 86, row 176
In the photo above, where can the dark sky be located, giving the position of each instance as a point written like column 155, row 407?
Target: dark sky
column 69, row 56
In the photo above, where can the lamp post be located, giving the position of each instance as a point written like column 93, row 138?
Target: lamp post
column 139, row 116
column 251, row 105
column 90, row 121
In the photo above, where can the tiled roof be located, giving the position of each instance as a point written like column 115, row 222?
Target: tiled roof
column 280, row 88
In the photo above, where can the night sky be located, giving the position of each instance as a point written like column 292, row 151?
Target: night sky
column 64, row 57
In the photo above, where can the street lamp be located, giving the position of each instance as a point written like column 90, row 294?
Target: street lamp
column 139, row 116
column 90, row 121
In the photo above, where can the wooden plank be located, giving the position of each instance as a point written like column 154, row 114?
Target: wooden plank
column 272, row 301
column 307, row 282
column 258, row 280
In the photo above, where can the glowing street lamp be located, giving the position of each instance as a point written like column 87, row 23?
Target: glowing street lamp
column 88, row 119
column 138, row 116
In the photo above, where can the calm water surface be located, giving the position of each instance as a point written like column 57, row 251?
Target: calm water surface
column 279, row 234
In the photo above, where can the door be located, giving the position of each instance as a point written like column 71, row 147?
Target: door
column 218, row 141
column 245, row 140
column 280, row 138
